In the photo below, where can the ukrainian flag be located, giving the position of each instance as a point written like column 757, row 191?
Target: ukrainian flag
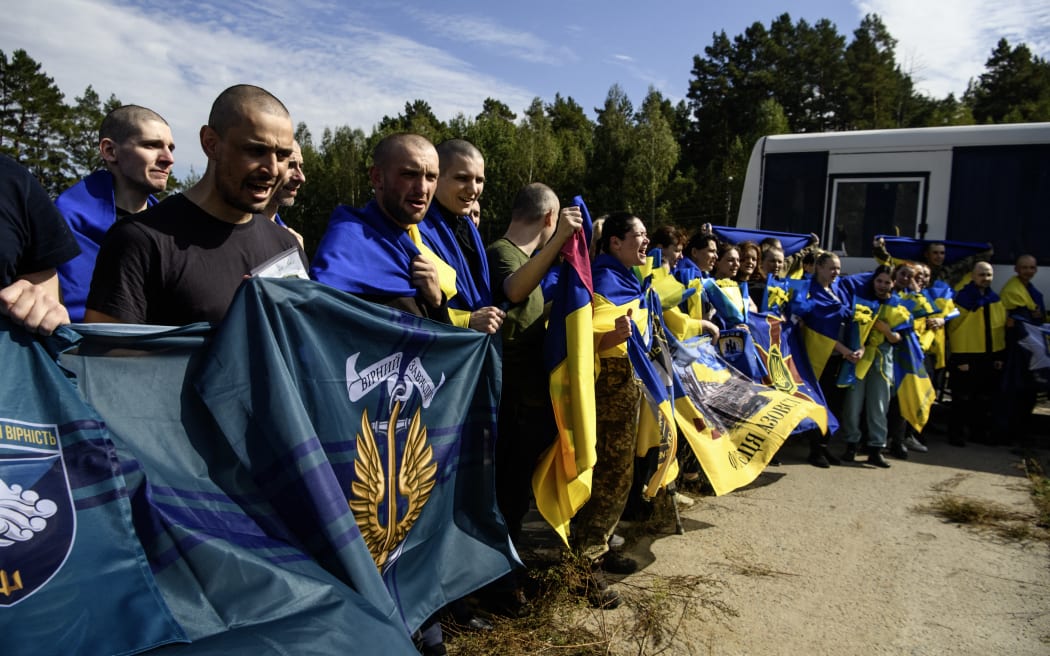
column 561, row 482
column 941, row 297
column 822, row 316
column 618, row 290
column 864, row 314
column 734, row 425
column 915, row 392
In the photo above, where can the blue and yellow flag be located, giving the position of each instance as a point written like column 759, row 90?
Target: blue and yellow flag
column 619, row 290
column 734, row 425
column 857, row 332
column 776, row 341
column 915, row 392
column 472, row 286
column 561, row 482
column 364, row 253
column 823, row 315
column 942, row 297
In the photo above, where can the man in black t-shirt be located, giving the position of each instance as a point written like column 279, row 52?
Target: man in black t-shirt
column 182, row 260
column 34, row 239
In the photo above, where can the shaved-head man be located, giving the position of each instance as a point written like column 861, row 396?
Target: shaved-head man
column 182, row 261
column 286, row 194
column 452, row 235
column 137, row 152
column 1024, row 305
column 978, row 342
column 376, row 251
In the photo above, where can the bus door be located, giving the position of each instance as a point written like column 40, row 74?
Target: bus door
column 861, row 206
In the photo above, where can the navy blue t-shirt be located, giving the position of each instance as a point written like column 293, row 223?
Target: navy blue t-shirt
column 33, row 235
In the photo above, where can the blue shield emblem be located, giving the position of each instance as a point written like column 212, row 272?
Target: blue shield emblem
column 37, row 517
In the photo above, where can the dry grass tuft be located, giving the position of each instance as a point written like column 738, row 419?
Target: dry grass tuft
column 557, row 621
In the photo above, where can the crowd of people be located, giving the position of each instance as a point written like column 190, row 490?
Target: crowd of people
column 111, row 252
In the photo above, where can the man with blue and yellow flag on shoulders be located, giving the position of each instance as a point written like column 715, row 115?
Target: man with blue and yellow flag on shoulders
column 376, row 252
column 449, row 231
column 518, row 261
column 978, row 344
column 1025, row 314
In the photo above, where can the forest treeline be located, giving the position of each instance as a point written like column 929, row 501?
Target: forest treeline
column 680, row 163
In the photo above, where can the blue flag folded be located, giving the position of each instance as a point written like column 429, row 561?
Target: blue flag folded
column 313, row 478
column 791, row 241
column 909, row 248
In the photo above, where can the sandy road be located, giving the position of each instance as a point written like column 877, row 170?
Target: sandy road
column 839, row 561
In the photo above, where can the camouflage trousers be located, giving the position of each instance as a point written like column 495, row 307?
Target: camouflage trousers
column 617, row 396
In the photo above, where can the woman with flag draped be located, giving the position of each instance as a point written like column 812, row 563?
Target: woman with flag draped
column 873, row 385
column 909, row 282
column 621, row 307
column 825, row 310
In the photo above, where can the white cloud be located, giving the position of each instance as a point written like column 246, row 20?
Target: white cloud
column 943, row 46
column 479, row 32
column 331, row 67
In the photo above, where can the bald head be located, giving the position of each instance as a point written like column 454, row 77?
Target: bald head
column 983, row 274
column 533, row 203
column 240, row 101
column 1025, row 267
column 125, row 122
column 453, row 148
column 404, row 176
column 391, row 146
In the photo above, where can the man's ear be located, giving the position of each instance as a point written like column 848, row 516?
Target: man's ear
column 209, row 141
column 550, row 218
column 374, row 178
column 107, row 148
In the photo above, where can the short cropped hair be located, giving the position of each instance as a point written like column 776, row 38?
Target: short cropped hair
column 449, row 150
column 232, row 103
column 391, row 143
column 125, row 122
column 533, row 202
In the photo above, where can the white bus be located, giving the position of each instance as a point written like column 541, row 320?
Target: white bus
column 987, row 183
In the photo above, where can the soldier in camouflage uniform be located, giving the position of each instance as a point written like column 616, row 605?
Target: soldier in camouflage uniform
column 617, row 395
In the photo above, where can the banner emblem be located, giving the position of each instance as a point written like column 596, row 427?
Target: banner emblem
column 382, row 529
column 37, row 517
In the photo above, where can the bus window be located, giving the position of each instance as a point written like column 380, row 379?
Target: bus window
column 793, row 192
column 862, row 207
column 1001, row 194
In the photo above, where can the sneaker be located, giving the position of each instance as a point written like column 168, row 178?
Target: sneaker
column 616, row 542
column 915, row 445
column 617, row 563
column 683, row 501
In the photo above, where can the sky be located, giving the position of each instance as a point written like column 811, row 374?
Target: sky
column 339, row 62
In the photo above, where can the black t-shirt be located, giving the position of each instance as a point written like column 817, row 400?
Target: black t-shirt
column 33, row 235
column 175, row 264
